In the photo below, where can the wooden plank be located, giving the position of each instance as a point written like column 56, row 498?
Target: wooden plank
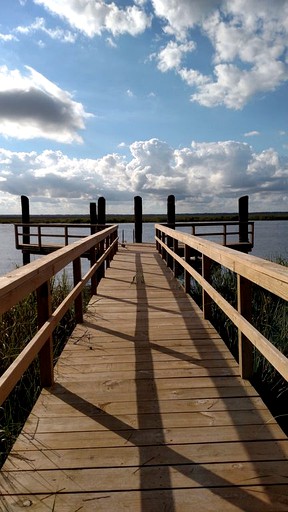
column 146, row 414
column 252, row 498
column 189, row 476
column 148, row 437
column 198, row 453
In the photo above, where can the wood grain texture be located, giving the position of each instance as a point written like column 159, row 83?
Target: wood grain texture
column 148, row 412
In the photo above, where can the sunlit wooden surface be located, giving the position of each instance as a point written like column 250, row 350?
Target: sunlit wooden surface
column 148, row 412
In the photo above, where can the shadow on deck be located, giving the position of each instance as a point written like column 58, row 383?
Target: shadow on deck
column 148, row 412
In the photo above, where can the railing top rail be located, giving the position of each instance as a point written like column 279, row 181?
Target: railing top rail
column 208, row 223
column 269, row 275
column 58, row 225
column 24, row 280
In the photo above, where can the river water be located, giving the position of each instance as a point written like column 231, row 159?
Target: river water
column 270, row 241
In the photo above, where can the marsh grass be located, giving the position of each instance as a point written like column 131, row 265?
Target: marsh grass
column 270, row 317
column 17, row 327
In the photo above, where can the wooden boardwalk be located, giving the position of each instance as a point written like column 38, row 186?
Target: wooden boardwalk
column 148, row 412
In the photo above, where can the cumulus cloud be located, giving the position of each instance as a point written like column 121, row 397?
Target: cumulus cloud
column 171, row 56
column 249, row 41
column 92, row 17
column 206, row 176
column 31, row 107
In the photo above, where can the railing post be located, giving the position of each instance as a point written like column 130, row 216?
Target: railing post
column 101, row 269
column 26, row 229
column 78, row 305
column 94, row 277
column 44, row 310
column 187, row 276
column 163, row 250
column 107, row 245
column 175, row 263
column 206, row 299
column 138, row 219
column 246, row 351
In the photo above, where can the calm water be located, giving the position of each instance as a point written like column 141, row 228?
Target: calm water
column 271, row 240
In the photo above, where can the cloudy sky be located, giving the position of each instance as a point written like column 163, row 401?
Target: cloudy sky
column 143, row 97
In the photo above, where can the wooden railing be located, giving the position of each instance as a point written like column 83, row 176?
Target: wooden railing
column 35, row 277
column 230, row 233
column 249, row 270
column 53, row 234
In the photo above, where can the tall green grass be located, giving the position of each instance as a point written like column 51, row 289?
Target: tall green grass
column 17, row 327
column 270, row 317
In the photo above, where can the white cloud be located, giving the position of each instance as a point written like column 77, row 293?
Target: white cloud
column 182, row 15
column 250, row 43
column 56, row 33
column 208, row 176
column 92, row 17
column 8, row 37
column 31, row 106
column 110, row 42
column 171, row 56
column 253, row 133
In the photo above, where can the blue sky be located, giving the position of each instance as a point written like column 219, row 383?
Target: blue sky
column 143, row 97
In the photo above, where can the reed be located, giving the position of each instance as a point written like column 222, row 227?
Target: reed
column 17, row 327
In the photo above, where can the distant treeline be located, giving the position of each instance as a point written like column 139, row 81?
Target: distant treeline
column 155, row 218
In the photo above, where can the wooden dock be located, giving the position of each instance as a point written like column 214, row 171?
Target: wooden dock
column 148, row 412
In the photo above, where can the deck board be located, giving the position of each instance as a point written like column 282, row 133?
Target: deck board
column 148, row 412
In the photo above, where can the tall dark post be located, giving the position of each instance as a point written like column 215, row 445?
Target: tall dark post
column 171, row 211
column 93, row 217
column 101, row 211
column 171, row 224
column 138, row 219
column 243, row 218
column 26, row 229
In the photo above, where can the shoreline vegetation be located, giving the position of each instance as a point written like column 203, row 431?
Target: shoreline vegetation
column 154, row 218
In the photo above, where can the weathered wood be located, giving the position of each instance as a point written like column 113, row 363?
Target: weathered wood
column 277, row 282
column 128, row 424
column 44, row 309
column 246, row 350
column 267, row 274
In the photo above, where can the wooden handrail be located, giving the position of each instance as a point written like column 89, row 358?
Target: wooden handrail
column 224, row 232
column 37, row 233
column 36, row 276
column 249, row 269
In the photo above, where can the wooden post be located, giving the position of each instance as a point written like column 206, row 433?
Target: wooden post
column 171, row 224
column 171, row 211
column 246, row 351
column 138, row 219
column 243, row 218
column 93, row 218
column 187, row 276
column 206, row 299
column 44, row 310
column 26, row 229
column 175, row 263
column 78, row 305
column 102, row 211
